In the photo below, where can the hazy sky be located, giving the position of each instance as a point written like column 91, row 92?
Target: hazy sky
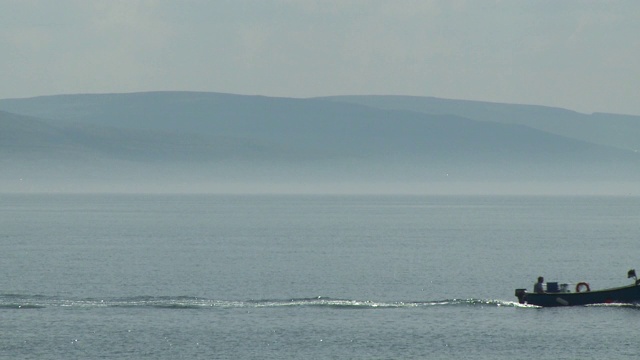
column 582, row 55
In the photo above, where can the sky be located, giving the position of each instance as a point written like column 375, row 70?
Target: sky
column 580, row 55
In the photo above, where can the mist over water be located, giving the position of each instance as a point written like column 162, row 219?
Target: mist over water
column 277, row 178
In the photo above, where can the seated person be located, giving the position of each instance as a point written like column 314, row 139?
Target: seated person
column 539, row 286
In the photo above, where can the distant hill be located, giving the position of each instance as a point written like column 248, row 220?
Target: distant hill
column 208, row 138
column 23, row 135
column 621, row 131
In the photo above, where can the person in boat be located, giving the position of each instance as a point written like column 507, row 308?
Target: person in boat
column 539, row 286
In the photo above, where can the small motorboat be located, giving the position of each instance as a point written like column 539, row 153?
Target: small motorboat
column 560, row 295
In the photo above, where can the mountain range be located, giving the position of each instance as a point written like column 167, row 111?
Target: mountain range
column 214, row 142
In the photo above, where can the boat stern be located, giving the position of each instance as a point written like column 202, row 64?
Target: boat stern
column 521, row 294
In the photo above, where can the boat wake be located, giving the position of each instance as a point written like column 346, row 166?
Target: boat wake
column 18, row 301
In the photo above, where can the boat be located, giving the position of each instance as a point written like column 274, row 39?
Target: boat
column 560, row 295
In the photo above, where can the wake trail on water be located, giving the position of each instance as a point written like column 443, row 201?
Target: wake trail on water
column 19, row 301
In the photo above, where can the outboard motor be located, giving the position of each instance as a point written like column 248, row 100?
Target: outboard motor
column 520, row 294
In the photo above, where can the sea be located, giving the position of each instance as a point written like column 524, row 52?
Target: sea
column 147, row 276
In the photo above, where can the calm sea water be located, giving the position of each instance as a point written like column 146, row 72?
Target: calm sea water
column 301, row 277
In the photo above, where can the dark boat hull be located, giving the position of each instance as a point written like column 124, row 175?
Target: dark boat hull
column 622, row 295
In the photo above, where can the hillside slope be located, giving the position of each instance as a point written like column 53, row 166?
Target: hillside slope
column 621, row 131
column 189, row 138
